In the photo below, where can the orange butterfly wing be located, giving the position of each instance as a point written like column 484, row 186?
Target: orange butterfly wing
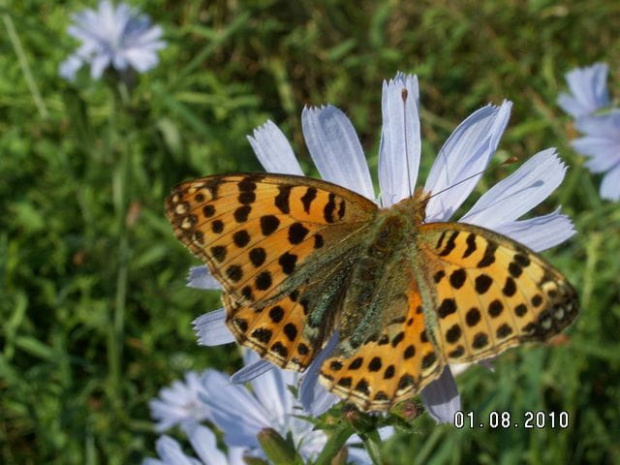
column 490, row 292
column 271, row 241
column 395, row 364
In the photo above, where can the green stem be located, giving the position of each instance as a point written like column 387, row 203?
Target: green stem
column 372, row 443
column 121, row 276
column 335, row 443
column 119, row 189
column 23, row 63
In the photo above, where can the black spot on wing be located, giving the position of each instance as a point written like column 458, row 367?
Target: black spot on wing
column 257, row 256
column 471, row 245
column 450, row 245
column 342, row 209
column 283, row 198
column 263, row 281
column 208, row 211
column 308, row 198
column 329, row 209
column 488, row 258
column 287, row 261
column 241, row 214
column 241, row 238
column 269, row 224
column 447, row 307
column 297, row 233
column 457, row 278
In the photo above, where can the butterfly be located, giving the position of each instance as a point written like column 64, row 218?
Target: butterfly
column 300, row 258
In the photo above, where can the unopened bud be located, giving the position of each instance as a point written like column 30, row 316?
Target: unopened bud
column 254, row 460
column 361, row 422
column 279, row 451
column 408, row 410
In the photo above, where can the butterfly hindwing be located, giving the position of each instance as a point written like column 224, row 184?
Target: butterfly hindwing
column 290, row 330
column 396, row 362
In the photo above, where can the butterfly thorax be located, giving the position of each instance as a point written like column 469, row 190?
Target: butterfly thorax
column 380, row 268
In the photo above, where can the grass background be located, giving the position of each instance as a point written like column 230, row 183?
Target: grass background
column 95, row 315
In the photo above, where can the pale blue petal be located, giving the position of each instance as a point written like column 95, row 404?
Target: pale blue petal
column 82, row 23
column 139, row 59
column 336, row 149
column 150, row 38
column 110, row 16
column 323, row 401
column 517, row 194
column 235, row 456
column 179, row 403
column 205, row 444
column 610, row 187
column 152, row 462
column 274, row 151
column 170, row 452
column 601, row 140
column 69, row 68
column 604, row 161
column 606, row 126
column 314, row 398
column 166, row 414
column 234, row 410
column 358, row 455
column 399, row 153
column 441, row 398
column 84, row 28
column 119, row 61
column 589, row 90
column 201, row 278
column 98, row 64
column 251, row 371
column 386, row 432
column 539, row 233
column 462, row 159
column 604, row 153
column 211, row 329
column 272, row 388
column 86, row 50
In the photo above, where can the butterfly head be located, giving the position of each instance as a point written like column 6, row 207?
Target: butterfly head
column 415, row 206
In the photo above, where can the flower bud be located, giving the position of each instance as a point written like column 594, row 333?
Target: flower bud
column 408, row 410
column 279, row 451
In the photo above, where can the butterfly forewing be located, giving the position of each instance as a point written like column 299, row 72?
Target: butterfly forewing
column 267, row 238
column 254, row 231
column 490, row 292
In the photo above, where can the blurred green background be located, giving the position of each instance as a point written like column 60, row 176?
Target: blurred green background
column 95, row 314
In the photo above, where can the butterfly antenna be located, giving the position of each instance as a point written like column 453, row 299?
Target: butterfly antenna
column 508, row 161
